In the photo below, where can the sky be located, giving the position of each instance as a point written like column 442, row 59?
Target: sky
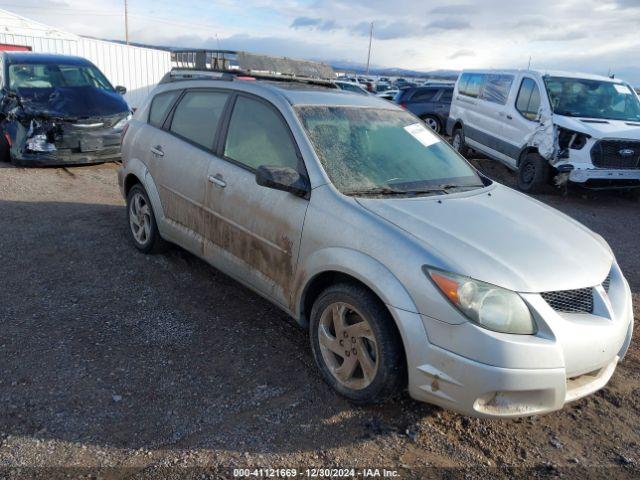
column 594, row 36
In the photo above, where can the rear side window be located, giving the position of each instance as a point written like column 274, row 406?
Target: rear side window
column 528, row 101
column 160, row 105
column 197, row 116
column 471, row 84
column 496, row 88
column 258, row 136
column 424, row 95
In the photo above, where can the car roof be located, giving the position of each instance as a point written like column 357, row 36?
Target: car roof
column 293, row 92
column 552, row 73
column 46, row 58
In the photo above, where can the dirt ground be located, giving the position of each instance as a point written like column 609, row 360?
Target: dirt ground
column 114, row 364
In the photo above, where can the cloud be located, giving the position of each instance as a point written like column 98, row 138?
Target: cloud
column 560, row 36
column 462, row 53
column 317, row 23
column 448, row 24
column 454, row 10
column 302, row 22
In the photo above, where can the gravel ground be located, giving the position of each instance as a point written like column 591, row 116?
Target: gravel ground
column 121, row 365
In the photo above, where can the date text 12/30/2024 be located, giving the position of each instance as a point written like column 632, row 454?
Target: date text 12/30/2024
column 314, row 473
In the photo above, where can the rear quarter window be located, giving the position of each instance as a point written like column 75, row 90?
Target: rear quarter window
column 160, row 106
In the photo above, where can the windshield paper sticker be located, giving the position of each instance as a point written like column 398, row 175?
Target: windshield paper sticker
column 423, row 134
column 622, row 89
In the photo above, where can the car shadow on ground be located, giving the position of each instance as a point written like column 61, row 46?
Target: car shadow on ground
column 102, row 345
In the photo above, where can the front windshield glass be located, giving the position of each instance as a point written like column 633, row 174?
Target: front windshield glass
column 578, row 97
column 379, row 151
column 24, row 78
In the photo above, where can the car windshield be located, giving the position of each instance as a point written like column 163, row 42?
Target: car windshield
column 578, row 97
column 24, row 78
column 384, row 152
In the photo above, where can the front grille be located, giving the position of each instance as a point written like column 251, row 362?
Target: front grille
column 616, row 154
column 607, row 283
column 571, row 301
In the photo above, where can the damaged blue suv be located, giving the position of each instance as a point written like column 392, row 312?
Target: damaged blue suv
column 58, row 110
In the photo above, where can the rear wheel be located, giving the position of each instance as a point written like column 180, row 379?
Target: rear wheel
column 533, row 173
column 433, row 123
column 142, row 222
column 457, row 142
column 356, row 345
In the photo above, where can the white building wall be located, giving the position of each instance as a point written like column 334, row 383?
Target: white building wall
column 136, row 68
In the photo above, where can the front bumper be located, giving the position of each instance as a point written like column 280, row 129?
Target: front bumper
column 485, row 374
column 65, row 157
column 587, row 176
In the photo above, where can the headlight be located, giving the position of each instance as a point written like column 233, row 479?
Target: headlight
column 489, row 306
column 120, row 125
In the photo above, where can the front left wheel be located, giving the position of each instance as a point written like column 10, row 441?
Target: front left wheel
column 356, row 345
column 142, row 222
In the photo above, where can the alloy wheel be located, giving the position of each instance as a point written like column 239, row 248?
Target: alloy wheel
column 433, row 124
column 140, row 218
column 348, row 346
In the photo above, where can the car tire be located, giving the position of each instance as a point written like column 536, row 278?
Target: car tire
column 356, row 344
column 142, row 222
column 5, row 149
column 533, row 173
column 433, row 123
column 458, row 144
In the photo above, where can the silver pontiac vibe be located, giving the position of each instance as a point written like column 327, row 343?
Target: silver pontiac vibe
column 409, row 268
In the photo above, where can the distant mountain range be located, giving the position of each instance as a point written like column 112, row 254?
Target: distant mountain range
column 350, row 67
column 392, row 72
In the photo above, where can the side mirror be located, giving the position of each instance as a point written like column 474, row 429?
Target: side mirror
column 283, row 178
column 121, row 90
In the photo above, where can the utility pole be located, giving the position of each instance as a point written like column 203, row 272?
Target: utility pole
column 126, row 22
column 369, row 54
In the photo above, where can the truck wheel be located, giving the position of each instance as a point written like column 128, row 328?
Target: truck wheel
column 356, row 344
column 457, row 142
column 142, row 222
column 533, row 173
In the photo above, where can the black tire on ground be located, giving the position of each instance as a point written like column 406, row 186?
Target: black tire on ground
column 457, row 141
column 433, row 122
column 153, row 243
column 533, row 173
column 390, row 377
column 5, row 149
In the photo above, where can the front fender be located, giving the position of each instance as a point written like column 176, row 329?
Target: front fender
column 356, row 264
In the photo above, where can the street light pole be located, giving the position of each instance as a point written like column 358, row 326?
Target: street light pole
column 369, row 54
column 126, row 22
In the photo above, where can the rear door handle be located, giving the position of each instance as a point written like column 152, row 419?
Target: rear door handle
column 217, row 180
column 157, row 150
column 509, row 117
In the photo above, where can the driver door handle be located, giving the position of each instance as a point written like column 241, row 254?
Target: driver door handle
column 217, row 180
column 157, row 150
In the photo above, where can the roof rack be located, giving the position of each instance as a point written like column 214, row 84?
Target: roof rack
column 229, row 65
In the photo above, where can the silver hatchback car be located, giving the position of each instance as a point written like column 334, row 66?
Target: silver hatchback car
column 409, row 267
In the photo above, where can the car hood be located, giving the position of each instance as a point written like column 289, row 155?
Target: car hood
column 600, row 128
column 76, row 102
column 501, row 237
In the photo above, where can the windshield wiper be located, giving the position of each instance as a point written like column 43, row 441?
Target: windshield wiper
column 444, row 188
